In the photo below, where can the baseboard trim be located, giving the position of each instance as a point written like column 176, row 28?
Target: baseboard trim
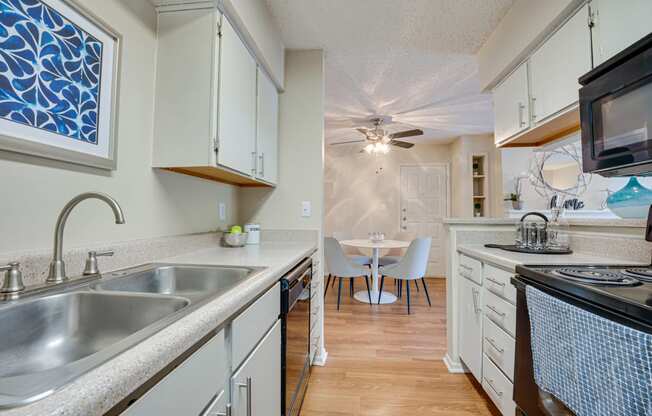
column 320, row 360
column 455, row 367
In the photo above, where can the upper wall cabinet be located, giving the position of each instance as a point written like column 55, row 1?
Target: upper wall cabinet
column 538, row 101
column 236, row 127
column 511, row 105
column 556, row 66
column 267, row 130
column 209, row 105
column 616, row 25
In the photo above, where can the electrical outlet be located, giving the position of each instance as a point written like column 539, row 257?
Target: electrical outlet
column 306, row 209
column 222, row 210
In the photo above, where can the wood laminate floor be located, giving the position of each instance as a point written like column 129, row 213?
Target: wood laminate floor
column 383, row 362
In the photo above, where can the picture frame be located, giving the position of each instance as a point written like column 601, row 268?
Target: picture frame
column 58, row 96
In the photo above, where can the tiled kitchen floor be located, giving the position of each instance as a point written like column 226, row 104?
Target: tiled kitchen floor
column 382, row 362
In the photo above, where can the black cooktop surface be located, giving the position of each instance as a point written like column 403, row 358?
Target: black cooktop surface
column 623, row 289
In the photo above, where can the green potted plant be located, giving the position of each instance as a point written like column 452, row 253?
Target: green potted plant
column 515, row 196
column 516, row 200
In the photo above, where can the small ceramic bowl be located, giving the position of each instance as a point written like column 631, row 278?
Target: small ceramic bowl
column 235, row 240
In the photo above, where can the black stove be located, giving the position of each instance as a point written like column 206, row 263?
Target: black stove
column 626, row 290
column 621, row 294
column 596, row 276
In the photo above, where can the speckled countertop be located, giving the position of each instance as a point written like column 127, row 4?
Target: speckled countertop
column 574, row 222
column 99, row 390
column 510, row 260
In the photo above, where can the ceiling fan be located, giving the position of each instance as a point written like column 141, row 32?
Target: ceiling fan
column 379, row 140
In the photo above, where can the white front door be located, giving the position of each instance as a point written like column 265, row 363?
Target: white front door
column 424, row 204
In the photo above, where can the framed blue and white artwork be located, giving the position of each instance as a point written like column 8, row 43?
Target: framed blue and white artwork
column 58, row 82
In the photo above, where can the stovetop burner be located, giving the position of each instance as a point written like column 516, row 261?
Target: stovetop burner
column 641, row 273
column 621, row 288
column 596, row 276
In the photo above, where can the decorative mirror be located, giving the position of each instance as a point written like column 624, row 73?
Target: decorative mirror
column 558, row 171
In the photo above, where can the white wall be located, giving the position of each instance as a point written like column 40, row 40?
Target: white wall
column 363, row 191
column 155, row 203
column 301, row 154
column 462, row 151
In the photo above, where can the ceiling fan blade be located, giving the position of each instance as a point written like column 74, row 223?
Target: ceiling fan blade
column 347, row 142
column 363, row 130
column 404, row 145
column 407, row 133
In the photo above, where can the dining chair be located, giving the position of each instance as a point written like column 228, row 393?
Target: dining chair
column 340, row 267
column 411, row 267
column 352, row 253
column 394, row 255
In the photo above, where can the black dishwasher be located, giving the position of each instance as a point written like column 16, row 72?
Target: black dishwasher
column 295, row 327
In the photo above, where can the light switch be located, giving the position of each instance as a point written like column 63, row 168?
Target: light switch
column 222, row 210
column 306, row 209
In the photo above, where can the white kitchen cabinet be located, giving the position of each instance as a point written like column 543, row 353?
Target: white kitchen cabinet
column 184, row 119
column 197, row 380
column 250, row 326
column 487, row 320
column 206, row 105
column 499, row 388
column 618, row 24
column 511, row 105
column 267, row 129
column 556, row 66
column 471, row 326
column 256, row 386
column 236, row 127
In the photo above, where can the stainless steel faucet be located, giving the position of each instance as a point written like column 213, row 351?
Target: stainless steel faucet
column 12, row 284
column 57, row 272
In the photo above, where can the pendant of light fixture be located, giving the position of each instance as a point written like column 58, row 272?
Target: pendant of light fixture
column 379, row 145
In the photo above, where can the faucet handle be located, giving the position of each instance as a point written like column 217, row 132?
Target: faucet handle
column 13, row 281
column 91, row 261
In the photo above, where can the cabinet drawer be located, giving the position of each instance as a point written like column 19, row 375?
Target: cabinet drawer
column 471, row 269
column 200, row 377
column 252, row 324
column 498, row 387
column 499, row 347
column 501, row 312
column 498, row 281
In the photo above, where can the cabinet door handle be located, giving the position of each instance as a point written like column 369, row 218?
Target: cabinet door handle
column 491, row 384
column 475, row 300
column 496, row 311
column 521, row 107
column 262, row 164
column 493, row 344
column 247, row 386
column 496, row 282
column 532, row 102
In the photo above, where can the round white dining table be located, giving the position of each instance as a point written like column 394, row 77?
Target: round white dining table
column 385, row 297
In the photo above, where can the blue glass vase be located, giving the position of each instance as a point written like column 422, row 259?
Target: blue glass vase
column 633, row 201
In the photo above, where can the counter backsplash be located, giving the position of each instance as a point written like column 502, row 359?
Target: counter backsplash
column 34, row 264
column 607, row 241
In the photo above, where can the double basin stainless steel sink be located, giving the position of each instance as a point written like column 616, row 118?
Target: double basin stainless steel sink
column 50, row 340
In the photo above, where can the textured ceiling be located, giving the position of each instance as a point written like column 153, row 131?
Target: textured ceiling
column 412, row 60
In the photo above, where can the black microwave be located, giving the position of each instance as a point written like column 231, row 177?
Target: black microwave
column 616, row 113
